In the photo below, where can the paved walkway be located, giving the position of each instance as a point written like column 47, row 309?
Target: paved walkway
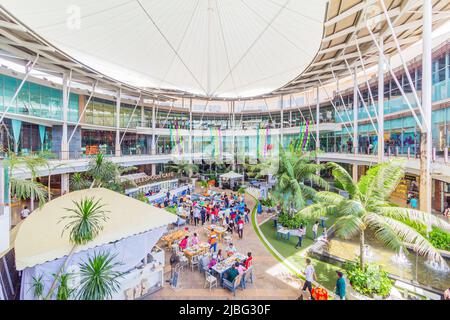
column 272, row 280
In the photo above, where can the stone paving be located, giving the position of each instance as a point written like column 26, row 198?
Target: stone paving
column 272, row 280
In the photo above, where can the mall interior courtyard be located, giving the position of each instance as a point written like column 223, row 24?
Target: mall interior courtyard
column 225, row 150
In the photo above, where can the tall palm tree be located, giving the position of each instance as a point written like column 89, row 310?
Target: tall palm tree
column 295, row 170
column 23, row 189
column 98, row 277
column 85, row 221
column 106, row 173
column 183, row 168
column 368, row 207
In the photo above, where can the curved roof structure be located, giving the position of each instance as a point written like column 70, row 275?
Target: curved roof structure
column 211, row 48
column 208, row 49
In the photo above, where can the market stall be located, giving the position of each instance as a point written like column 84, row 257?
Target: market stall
column 129, row 233
column 231, row 179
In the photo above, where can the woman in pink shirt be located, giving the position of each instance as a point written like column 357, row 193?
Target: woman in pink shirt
column 194, row 239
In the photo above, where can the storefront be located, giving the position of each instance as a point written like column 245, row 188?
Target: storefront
column 409, row 185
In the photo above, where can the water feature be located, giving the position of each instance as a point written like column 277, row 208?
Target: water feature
column 401, row 259
column 403, row 264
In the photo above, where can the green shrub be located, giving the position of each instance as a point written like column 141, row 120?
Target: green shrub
column 267, row 202
column 291, row 222
column 437, row 237
column 172, row 210
column 373, row 281
column 440, row 239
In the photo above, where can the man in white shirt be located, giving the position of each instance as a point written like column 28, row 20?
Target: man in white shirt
column 315, row 228
column 25, row 212
column 310, row 275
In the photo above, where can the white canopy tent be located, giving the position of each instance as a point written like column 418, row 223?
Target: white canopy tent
column 231, row 175
column 212, row 48
column 130, row 232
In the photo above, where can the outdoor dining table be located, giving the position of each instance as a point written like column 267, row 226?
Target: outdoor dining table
column 283, row 233
column 196, row 250
column 220, row 230
column 173, row 236
column 225, row 265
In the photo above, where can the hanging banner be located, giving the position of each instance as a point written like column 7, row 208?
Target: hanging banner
column 306, row 136
column 240, row 157
column 42, row 136
column 213, row 151
column 258, row 151
column 16, row 126
column 298, row 143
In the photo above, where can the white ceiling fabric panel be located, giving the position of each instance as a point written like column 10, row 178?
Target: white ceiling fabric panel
column 220, row 49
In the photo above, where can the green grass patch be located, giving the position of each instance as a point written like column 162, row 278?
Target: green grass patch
column 326, row 273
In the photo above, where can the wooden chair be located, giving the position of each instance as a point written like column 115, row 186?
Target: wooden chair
column 232, row 286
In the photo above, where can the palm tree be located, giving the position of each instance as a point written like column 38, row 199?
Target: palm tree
column 106, row 173
column 183, row 168
column 101, row 170
column 85, row 222
column 368, row 207
column 23, row 189
column 78, row 182
column 98, row 277
column 64, row 292
column 295, row 170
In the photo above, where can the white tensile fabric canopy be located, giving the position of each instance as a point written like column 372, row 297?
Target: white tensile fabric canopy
column 226, row 49
column 41, row 238
column 231, row 175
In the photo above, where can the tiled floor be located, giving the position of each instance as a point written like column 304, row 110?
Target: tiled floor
column 272, row 280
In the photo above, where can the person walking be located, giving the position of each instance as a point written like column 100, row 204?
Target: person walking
column 213, row 240
column 310, row 276
column 315, row 228
column 203, row 215
column 340, row 286
column 301, row 233
column 240, row 227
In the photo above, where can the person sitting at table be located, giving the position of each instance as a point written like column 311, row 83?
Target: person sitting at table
column 248, row 261
column 194, row 239
column 232, row 273
column 219, row 255
column 213, row 261
column 230, row 250
column 241, row 268
column 183, row 243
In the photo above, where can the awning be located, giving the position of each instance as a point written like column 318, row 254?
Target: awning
column 40, row 237
column 231, row 175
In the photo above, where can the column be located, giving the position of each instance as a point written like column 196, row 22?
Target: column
column 191, row 156
column 425, row 136
column 153, row 146
column 355, row 173
column 5, row 209
column 65, row 108
column 282, row 120
column 142, row 116
column 355, row 112
column 380, row 104
column 118, row 149
column 153, row 169
column 317, row 121
column 233, row 136
column 64, row 183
